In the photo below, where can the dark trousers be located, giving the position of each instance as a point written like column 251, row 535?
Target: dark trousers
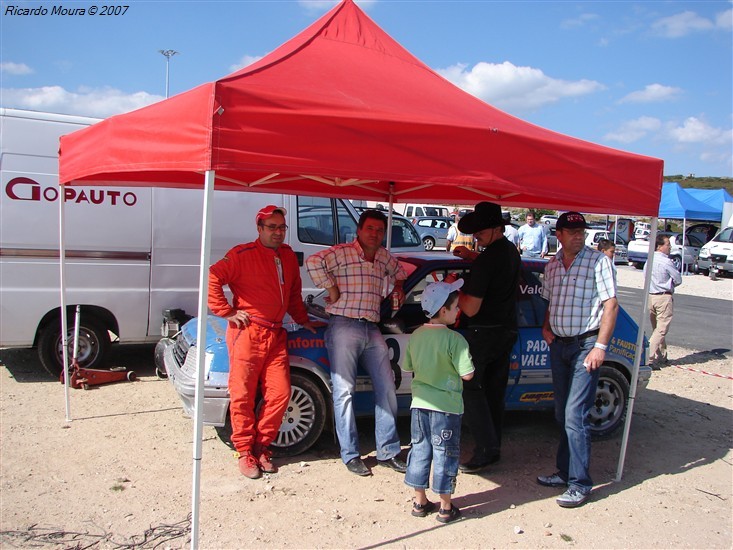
column 483, row 395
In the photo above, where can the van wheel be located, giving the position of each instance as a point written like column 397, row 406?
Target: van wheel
column 304, row 418
column 638, row 265
column 609, row 410
column 428, row 243
column 94, row 345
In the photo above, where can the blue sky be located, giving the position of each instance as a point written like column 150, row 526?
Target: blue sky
column 653, row 77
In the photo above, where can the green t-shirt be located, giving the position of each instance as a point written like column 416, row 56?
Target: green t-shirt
column 438, row 357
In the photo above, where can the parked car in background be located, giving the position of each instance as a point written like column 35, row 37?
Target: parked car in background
column 310, row 408
column 549, row 219
column 551, row 239
column 404, row 235
column 433, row 230
column 592, row 236
column 703, row 231
column 718, row 253
column 639, row 248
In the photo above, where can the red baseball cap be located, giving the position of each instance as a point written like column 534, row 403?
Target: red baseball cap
column 268, row 211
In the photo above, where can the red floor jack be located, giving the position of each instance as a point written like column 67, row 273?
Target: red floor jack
column 80, row 377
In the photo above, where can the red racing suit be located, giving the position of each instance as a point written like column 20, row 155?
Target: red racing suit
column 266, row 284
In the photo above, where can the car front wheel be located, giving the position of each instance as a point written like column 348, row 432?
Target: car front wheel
column 304, row 418
column 609, row 409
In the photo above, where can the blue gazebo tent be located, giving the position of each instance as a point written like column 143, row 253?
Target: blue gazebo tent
column 678, row 204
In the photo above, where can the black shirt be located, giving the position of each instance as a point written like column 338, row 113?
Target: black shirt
column 495, row 278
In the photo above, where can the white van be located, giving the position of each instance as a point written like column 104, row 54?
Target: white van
column 132, row 252
column 415, row 210
column 717, row 255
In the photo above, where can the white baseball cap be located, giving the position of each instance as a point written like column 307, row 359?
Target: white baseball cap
column 435, row 295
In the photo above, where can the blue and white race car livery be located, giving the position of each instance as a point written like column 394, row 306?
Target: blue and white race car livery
column 530, row 376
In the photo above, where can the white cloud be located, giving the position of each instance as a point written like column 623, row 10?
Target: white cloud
column 634, row 130
column 579, row 21
column 15, row 68
column 100, row 102
column 652, row 93
column 682, row 24
column 724, row 20
column 515, row 88
column 244, row 62
column 694, row 130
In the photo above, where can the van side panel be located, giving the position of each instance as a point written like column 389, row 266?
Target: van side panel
column 107, row 235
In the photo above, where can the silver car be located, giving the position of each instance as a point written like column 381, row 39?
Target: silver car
column 433, row 230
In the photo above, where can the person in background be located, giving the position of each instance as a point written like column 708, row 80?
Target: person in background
column 532, row 238
column 357, row 276
column 455, row 238
column 489, row 315
column 440, row 360
column 579, row 321
column 665, row 278
column 511, row 233
column 264, row 278
column 607, row 247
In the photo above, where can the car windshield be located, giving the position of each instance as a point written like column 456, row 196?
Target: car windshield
column 725, row 236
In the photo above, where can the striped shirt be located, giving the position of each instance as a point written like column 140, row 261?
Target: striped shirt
column 362, row 284
column 576, row 296
column 665, row 275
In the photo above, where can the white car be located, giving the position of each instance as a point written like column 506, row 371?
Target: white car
column 548, row 219
column 620, row 255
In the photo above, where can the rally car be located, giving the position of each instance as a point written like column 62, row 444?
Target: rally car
column 530, row 378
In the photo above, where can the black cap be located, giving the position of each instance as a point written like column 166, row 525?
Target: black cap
column 571, row 220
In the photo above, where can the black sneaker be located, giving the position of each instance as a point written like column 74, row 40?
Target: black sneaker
column 357, row 466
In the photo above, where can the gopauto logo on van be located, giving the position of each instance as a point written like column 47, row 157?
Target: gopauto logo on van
column 26, row 189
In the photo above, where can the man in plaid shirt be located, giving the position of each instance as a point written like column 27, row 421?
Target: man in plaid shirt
column 357, row 276
column 581, row 290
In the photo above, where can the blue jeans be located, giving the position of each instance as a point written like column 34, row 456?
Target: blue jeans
column 350, row 343
column 575, row 393
column 436, row 437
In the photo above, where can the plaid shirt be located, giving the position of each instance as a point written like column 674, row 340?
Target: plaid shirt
column 362, row 284
column 576, row 296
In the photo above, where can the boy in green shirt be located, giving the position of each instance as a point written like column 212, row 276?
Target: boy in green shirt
column 440, row 361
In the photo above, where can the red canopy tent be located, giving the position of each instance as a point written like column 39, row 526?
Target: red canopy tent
column 343, row 110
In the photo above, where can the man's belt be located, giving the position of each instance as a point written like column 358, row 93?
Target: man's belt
column 571, row 339
column 661, row 293
column 264, row 322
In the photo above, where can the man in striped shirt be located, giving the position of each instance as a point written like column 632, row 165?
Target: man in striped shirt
column 580, row 318
column 358, row 276
column 665, row 277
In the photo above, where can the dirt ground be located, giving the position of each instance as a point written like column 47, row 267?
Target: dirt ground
column 119, row 474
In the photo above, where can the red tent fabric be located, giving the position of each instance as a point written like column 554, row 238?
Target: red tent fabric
column 343, row 109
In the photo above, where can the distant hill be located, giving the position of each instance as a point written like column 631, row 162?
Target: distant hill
column 702, row 183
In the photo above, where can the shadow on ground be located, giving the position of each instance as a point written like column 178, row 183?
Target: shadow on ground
column 24, row 365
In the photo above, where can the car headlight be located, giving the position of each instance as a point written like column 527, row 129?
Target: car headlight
column 704, row 253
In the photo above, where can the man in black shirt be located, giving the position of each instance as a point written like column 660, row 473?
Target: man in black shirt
column 489, row 315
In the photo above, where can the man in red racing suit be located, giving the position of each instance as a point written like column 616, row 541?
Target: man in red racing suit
column 264, row 278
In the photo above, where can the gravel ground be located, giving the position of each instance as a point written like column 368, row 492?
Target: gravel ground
column 119, row 474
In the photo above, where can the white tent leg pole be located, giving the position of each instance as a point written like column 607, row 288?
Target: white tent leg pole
column 639, row 349
column 64, row 320
column 198, row 417
column 684, row 230
column 389, row 216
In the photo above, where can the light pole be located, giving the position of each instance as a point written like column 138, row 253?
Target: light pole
column 168, row 54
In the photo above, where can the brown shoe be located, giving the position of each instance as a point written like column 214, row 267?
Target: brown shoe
column 248, row 465
column 264, row 459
